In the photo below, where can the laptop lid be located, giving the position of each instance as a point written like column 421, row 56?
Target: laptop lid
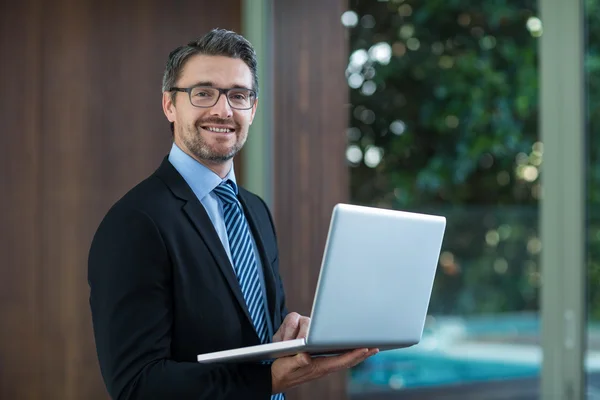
column 376, row 278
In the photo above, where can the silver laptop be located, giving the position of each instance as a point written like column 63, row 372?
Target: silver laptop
column 373, row 289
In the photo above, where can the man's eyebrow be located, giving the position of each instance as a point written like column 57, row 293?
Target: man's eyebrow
column 211, row 84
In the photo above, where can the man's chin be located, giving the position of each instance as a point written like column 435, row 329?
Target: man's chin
column 214, row 151
column 217, row 156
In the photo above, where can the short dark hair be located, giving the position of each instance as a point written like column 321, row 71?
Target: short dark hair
column 217, row 42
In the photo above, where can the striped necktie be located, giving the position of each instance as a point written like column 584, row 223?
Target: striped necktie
column 244, row 260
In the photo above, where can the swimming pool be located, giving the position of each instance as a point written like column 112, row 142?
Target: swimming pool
column 456, row 351
column 408, row 371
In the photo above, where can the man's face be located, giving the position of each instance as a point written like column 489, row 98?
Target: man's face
column 217, row 133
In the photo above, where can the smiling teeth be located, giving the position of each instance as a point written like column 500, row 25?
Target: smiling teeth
column 220, row 130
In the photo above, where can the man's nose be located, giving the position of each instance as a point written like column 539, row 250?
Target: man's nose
column 222, row 108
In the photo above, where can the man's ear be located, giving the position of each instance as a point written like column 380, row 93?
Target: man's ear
column 168, row 106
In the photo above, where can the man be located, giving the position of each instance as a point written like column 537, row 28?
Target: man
column 187, row 261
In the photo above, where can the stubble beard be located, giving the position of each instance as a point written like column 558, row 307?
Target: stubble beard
column 196, row 144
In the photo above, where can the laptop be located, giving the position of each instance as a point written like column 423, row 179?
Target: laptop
column 373, row 289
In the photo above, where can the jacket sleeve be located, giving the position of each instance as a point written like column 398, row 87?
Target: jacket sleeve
column 129, row 274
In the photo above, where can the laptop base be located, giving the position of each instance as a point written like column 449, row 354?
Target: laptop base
column 272, row 351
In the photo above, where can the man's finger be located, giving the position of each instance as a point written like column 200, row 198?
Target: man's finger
column 370, row 353
column 290, row 326
column 302, row 359
column 303, row 325
column 347, row 360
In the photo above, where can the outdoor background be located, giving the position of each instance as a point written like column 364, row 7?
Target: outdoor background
column 444, row 119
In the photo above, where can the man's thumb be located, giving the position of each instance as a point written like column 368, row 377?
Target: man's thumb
column 302, row 359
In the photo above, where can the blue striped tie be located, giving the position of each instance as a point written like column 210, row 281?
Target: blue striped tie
column 244, row 261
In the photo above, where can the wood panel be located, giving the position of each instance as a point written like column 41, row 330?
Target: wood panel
column 83, row 123
column 310, row 55
column 19, row 199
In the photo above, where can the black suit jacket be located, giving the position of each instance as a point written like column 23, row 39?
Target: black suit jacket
column 162, row 291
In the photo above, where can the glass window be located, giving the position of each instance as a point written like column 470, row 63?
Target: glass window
column 592, row 70
column 443, row 120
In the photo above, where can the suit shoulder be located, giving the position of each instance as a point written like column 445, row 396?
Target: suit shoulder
column 148, row 195
column 148, row 198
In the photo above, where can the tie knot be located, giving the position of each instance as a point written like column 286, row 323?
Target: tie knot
column 226, row 192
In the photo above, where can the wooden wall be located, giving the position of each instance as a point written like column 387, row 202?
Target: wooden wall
column 81, row 123
column 311, row 176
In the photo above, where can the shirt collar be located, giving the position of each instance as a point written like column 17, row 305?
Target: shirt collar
column 200, row 178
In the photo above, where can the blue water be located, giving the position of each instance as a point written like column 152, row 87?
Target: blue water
column 419, row 367
column 432, row 370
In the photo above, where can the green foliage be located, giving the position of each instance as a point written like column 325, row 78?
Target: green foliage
column 455, row 118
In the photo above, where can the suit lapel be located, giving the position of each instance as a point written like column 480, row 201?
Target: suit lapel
column 199, row 218
column 266, row 263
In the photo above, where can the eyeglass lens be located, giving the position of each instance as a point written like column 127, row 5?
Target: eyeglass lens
column 207, row 97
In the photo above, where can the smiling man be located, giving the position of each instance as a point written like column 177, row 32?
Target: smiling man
column 186, row 262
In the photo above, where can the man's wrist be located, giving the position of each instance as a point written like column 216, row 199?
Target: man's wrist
column 276, row 384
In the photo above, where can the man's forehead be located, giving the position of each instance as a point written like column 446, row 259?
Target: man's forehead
column 220, row 70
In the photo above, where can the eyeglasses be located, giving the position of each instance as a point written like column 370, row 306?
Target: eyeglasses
column 208, row 96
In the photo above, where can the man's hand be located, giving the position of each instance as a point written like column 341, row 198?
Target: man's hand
column 287, row 372
column 294, row 326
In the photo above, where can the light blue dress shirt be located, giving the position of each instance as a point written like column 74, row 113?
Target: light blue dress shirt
column 202, row 181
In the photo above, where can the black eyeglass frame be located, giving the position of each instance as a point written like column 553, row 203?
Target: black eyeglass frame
column 221, row 91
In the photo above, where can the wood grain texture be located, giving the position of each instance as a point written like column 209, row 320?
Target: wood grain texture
column 19, row 200
column 82, row 118
column 311, row 176
column 83, row 123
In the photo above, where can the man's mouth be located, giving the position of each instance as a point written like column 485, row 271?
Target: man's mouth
column 218, row 129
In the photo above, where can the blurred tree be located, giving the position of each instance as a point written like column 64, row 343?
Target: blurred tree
column 444, row 118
